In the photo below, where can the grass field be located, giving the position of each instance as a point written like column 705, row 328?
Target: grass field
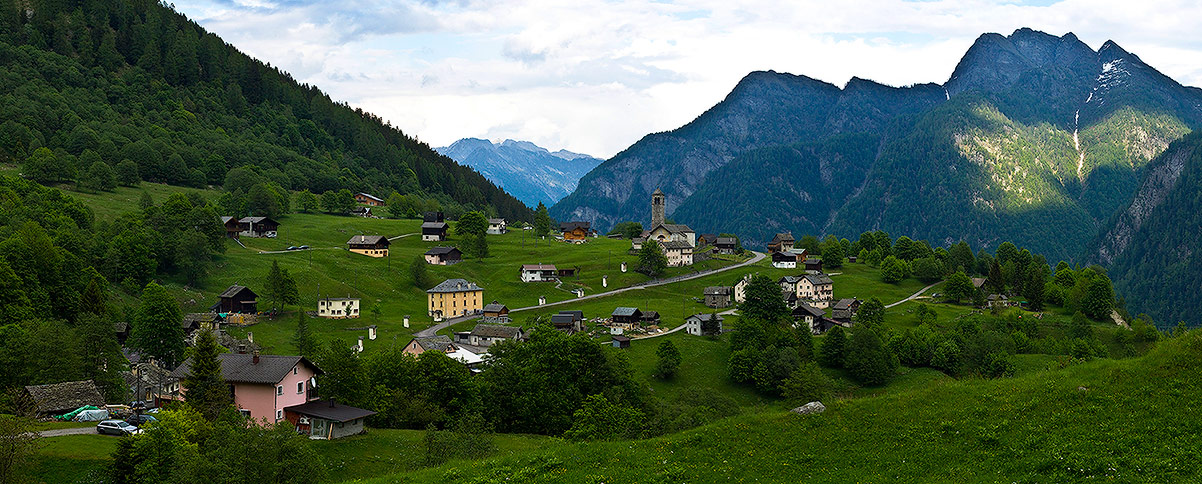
column 72, row 457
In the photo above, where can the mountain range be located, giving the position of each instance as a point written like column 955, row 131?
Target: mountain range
column 527, row 171
column 1035, row 139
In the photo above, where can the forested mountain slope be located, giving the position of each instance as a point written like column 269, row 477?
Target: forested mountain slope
column 1035, row 138
column 115, row 80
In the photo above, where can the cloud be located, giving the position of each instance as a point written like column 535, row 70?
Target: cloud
column 594, row 76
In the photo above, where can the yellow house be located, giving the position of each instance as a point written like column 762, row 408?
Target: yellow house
column 454, row 297
column 369, row 245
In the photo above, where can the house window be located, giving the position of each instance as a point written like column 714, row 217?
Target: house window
column 294, row 370
column 244, row 412
column 300, row 387
column 279, row 389
column 279, row 414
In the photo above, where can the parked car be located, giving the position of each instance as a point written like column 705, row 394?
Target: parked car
column 292, row 247
column 139, row 420
column 117, row 427
column 304, row 247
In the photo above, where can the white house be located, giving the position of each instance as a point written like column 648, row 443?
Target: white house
column 487, row 334
column 741, row 289
column 694, row 323
column 496, row 226
column 784, row 260
column 678, row 252
column 539, row 273
column 338, row 307
column 816, row 289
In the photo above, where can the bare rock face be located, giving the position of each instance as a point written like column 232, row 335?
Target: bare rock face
column 1161, row 179
column 810, row 408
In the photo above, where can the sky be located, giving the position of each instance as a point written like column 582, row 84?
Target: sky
column 596, row 76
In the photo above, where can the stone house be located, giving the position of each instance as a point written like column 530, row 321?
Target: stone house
column 717, row 296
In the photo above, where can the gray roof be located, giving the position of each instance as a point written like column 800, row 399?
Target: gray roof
column 442, row 250
column 706, row 317
column 455, row 285
column 496, row 221
column 329, row 410
column 226, row 220
column 841, row 314
column 570, row 226
column 197, row 318
column 726, row 241
column 624, row 311
column 845, row 303
column 717, row 291
column 496, row 331
column 977, row 282
column 65, row 396
column 434, row 225
column 234, row 290
column 783, row 236
column 675, row 228
column 494, row 307
column 575, row 313
column 241, row 368
column 817, row 279
column 803, row 308
column 368, row 240
column 790, row 279
column 434, row 343
column 563, row 318
column 538, row 267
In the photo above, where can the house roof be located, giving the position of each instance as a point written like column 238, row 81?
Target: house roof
column 192, row 319
column 675, row 228
column 455, row 285
column 650, row 315
column 977, row 282
column 817, row 279
column 625, row 311
column 841, row 314
column 790, row 279
column 563, row 318
column 368, row 240
column 538, row 267
column 466, row 357
column 434, row 225
column 226, row 220
column 574, row 313
column 241, row 368
column 434, row 343
column 706, row 317
column 443, row 250
column 65, row 396
column 329, row 410
column 495, row 307
column 803, row 308
column 657, row 192
column 235, row 290
column 496, row 221
column 784, row 257
column 121, row 326
column 373, row 197
column 845, row 303
column 725, row 241
column 717, row 291
column 571, row 226
column 786, row 236
column 339, row 298
column 255, row 220
column 496, row 331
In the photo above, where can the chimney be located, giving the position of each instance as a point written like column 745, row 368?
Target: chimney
column 371, row 332
column 254, row 360
column 250, row 336
column 241, row 349
column 542, row 300
column 360, row 348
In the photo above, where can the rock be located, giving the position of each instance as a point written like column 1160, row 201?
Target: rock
column 810, row 408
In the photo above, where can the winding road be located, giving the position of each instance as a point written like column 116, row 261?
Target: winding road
column 756, row 257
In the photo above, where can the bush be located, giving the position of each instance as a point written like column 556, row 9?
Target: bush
column 868, row 360
column 807, row 384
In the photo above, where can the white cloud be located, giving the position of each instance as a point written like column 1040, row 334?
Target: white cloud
column 594, row 76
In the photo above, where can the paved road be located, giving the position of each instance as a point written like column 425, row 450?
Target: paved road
column 912, row 296
column 401, row 236
column 758, row 256
column 74, row 431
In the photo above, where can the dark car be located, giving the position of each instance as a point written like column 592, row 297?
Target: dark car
column 139, row 420
column 304, row 247
column 117, row 427
column 293, row 247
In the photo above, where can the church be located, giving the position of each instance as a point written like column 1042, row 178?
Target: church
column 677, row 240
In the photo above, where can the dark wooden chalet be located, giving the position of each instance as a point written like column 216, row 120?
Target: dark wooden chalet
column 237, row 299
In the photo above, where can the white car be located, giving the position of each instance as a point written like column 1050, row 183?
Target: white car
column 117, row 427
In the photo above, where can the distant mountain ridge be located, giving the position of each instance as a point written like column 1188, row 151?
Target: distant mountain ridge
column 525, row 170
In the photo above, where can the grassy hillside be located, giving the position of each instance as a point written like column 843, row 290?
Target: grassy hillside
column 1114, row 421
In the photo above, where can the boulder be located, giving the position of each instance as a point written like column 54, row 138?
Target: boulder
column 810, row 408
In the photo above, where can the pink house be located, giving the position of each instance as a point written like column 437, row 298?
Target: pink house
column 264, row 385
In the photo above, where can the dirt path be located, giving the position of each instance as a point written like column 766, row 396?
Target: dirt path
column 74, row 431
column 912, row 296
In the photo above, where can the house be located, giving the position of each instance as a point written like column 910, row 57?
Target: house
column 338, row 307
column 678, row 252
column 121, row 331
column 740, row 289
column 695, row 324
column 487, row 334
column 454, row 297
column 636, row 244
column 263, row 385
column 369, row 245
column 817, row 289
column 469, row 359
column 620, row 341
column 565, row 272
column 60, row 398
column 237, row 299
column 232, row 229
column 813, row 264
column 150, row 384
column 364, row 212
column 784, row 260
column 434, row 228
column 650, row 317
column 852, row 259
column 844, row 309
column 726, row 245
column 789, row 283
column 538, row 273
column 822, row 325
column 369, row 199
column 707, row 239
column 495, row 312
column 422, row 344
column 496, row 226
column 625, row 316
column 326, row 419
column 782, row 242
column 672, row 232
column 576, row 232
column 806, row 315
column 194, row 321
column 568, row 321
column 257, row 227
column 717, row 296
column 444, row 256
column 979, row 282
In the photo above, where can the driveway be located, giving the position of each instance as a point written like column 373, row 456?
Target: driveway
column 74, row 431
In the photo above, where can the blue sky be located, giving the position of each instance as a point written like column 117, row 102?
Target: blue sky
column 594, row 76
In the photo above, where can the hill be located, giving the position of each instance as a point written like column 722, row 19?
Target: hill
column 527, row 171
column 137, row 81
column 1033, row 135
column 1104, row 420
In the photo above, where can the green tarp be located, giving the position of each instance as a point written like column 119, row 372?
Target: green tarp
column 70, row 415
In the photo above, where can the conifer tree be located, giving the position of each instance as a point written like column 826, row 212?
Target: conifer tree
column 207, row 391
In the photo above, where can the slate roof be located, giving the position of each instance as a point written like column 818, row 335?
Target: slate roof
column 434, row 225
column 803, row 309
column 845, row 303
column 782, row 237
column 368, row 240
column 494, row 307
column 977, row 282
column 570, row 226
column 496, row 331
column 496, row 221
column 65, row 396
column 455, row 285
column 725, row 241
column 434, row 343
column 194, row 319
column 440, row 251
column 676, row 228
column 538, row 267
column 784, row 257
column 790, row 279
column 563, row 319
column 235, row 290
column 226, row 220
column 241, row 368
column 651, row 315
column 330, row 410
column 703, row 317
column 574, row 313
column 624, row 311
column 717, row 291
column 841, row 314
column 818, row 279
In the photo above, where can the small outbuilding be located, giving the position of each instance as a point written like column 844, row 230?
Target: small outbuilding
column 326, row 419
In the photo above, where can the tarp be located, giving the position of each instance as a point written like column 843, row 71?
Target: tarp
column 92, row 416
column 70, row 415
